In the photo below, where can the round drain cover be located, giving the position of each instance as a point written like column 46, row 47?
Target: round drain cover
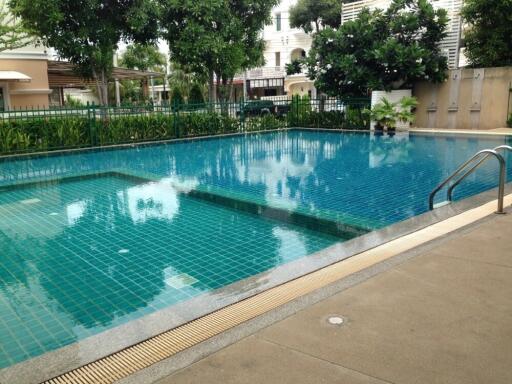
column 335, row 320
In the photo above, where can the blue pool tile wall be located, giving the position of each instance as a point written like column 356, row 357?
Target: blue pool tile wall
column 79, row 256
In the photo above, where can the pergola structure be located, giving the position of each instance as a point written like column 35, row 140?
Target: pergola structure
column 61, row 75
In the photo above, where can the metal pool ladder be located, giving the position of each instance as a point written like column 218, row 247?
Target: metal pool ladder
column 468, row 168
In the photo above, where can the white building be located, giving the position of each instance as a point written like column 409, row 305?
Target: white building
column 283, row 44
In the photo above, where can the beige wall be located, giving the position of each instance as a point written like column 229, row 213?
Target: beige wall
column 27, row 94
column 470, row 99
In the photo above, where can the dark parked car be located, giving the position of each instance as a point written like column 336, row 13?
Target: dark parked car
column 262, row 107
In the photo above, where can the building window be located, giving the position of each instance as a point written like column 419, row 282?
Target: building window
column 278, row 21
column 278, row 59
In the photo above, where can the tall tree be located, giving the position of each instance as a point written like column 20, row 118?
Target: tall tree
column 488, row 36
column 312, row 15
column 380, row 50
column 143, row 57
column 216, row 38
column 87, row 32
column 12, row 34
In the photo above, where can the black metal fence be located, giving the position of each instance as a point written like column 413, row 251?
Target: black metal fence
column 31, row 130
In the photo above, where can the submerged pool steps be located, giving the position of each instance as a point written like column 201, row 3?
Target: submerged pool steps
column 288, row 217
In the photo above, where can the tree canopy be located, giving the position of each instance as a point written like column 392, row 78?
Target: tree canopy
column 489, row 34
column 143, row 57
column 216, row 38
column 312, row 15
column 380, row 50
column 87, row 33
column 12, row 33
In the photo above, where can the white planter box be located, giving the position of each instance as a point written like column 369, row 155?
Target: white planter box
column 392, row 96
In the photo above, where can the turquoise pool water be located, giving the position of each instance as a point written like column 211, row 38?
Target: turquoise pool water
column 92, row 240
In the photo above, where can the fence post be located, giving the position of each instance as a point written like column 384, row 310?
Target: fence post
column 297, row 112
column 242, row 117
column 90, row 123
column 175, row 117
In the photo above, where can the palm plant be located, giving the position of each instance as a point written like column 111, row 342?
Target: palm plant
column 387, row 114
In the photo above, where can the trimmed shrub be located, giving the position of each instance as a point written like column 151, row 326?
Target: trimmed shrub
column 196, row 95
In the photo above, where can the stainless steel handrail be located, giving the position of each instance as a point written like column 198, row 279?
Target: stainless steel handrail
column 501, row 187
column 473, row 168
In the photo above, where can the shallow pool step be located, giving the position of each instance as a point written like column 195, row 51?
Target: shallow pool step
column 310, row 222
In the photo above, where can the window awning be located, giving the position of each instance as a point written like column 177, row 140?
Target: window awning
column 14, row 76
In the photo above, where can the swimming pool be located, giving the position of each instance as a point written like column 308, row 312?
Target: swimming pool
column 92, row 240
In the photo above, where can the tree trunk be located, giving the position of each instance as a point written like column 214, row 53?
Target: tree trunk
column 231, row 89
column 98, row 87
column 104, row 86
column 211, row 87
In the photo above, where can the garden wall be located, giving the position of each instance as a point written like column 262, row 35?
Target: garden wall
column 478, row 98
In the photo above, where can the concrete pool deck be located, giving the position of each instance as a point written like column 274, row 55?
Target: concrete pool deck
column 442, row 316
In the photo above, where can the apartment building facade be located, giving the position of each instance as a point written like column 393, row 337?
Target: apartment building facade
column 283, row 45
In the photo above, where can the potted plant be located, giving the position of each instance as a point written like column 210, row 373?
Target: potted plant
column 386, row 114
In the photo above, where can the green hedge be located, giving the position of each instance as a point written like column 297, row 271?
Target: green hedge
column 29, row 132
column 41, row 134
column 125, row 129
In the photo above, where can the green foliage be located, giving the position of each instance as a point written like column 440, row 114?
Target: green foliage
column 196, row 94
column 199, row 124
column 294, row 67
column 176, row 96
column 87, row 33
column 42, row 133
column 143, row 57
column 216, row 38
column 509, row 121
column 13, row 34
column 98, row 126
column 73, row 102
column 143, row 127
column 265, row 122
column 312, row 15
column 387, row 114
column 488, row 37
column 381, row 50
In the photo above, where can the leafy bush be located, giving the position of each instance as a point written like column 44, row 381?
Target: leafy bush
column 208, row 123
column 489, row 22
column 196, row 95
column 43, row 133
column 264, row 122
column 73, row 101
column 509, row 121
column 387, row 114
column 104, row 126
column 124, row 129
column 176, row 96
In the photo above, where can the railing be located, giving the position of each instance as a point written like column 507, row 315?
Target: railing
column 39, row 130
column 473, row 163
